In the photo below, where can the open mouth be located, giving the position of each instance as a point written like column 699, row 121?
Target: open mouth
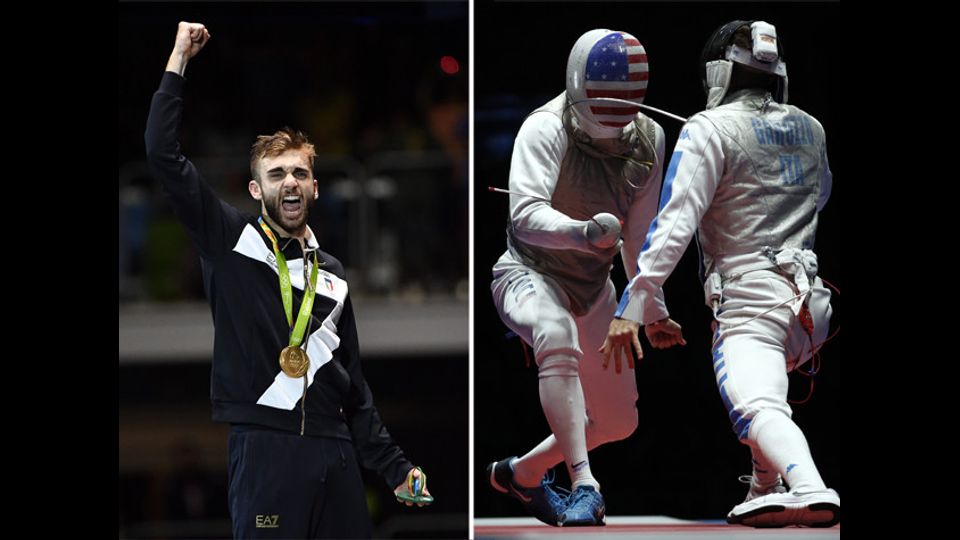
column 291, row 205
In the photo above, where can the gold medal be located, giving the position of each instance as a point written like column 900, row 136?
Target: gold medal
column 294, row 362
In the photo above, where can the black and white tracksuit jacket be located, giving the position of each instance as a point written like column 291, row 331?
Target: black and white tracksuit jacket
column 241, row 283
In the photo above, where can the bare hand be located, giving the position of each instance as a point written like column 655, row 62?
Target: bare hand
column 191, row 37
column 665, row 333
column 621, row 335
column 404, row 486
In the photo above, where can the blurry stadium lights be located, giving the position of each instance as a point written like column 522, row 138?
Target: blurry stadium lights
column 449, row 65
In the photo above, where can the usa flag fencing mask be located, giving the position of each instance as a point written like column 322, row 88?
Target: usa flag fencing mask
column 606, row 70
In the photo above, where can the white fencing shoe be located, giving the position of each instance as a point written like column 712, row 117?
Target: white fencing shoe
column 813, row 509
column 759, row 491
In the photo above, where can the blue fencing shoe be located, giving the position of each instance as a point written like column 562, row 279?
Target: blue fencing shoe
column 585, row 507
column 542, row 502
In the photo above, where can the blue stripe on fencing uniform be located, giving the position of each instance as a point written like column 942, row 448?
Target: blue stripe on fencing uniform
column 624, row 298
column 741, row 424
column 664, row 196
column 742, row 427
column 718, row 362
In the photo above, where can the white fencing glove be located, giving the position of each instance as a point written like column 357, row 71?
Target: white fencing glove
column 603, row 230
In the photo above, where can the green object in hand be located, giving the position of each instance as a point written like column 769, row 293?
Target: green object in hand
column 414, row 491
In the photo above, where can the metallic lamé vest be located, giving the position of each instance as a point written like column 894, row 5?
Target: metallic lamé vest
column 590, row 181
column 774, row 163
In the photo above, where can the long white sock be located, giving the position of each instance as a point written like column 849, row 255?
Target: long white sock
column 561, row 397
column 785, row 447
column 581, row 475
column 764, row 474
column 530, row 467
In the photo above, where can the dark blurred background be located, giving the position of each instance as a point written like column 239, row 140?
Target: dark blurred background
column 381, row 90
column 684, row 459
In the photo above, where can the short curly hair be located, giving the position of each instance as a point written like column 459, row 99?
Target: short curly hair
column 278, row 143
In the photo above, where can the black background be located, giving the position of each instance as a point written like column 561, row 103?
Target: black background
column 684, row 459
column 263, row 59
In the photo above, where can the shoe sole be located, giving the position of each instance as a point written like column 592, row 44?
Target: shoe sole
column 825, row 507
column 817, row 515
column 603, row 523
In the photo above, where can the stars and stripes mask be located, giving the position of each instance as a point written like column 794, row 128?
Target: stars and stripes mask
column 606, row 64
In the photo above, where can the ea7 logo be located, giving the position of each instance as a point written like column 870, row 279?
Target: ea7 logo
column 268, row 522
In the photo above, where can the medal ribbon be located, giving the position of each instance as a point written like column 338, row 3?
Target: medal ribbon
column 286, row 289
